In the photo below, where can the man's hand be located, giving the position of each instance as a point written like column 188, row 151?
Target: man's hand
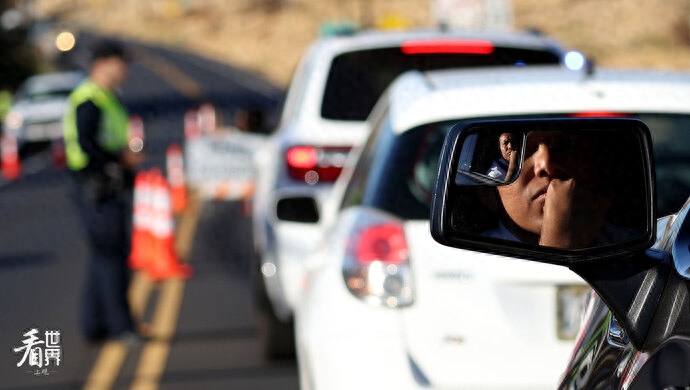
column 573, row 215
column 131, row 160
column 512, row 166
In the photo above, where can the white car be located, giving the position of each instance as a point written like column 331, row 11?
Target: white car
column 385, row 306
column 35, row 116
column 337, row 83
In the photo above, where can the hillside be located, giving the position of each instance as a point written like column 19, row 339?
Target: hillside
column 268, row 36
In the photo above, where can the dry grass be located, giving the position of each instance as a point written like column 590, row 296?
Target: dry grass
column 269, row 40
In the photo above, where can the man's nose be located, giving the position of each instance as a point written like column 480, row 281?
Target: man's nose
column 546, row 164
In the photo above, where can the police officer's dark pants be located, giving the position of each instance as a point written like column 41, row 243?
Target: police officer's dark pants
column 105, row 310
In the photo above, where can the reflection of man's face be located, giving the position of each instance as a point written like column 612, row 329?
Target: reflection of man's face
column 548, row 156
column 505, row 143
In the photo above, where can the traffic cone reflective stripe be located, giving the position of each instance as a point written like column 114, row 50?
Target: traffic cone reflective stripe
column 11, row 167
column 135, row 129
column 165, row 263
column 142, row 239
column 178, row 190
column 192, row 129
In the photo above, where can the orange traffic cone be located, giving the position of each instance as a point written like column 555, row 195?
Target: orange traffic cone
column 178, row 190
column 142, row 239
column 192, row 130
column 11, row 167
column 165, row 263
column 57, row 153
column 135, row 128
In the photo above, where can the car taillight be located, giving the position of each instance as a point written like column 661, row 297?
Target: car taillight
column 314, row 165
column 382, row 243
column 447, row 46
column 376, row 267
column 302, row 157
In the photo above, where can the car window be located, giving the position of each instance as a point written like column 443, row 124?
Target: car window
column 671, row 138
column 378, row 140
column 41, row 94
column 357, row 79
column 39, row 88
column 397, row 173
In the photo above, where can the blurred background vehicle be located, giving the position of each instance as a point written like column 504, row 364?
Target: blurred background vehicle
column 386, row 302
column 336, row 85
column 35, row 117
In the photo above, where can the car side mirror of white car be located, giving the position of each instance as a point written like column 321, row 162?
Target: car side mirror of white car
column 559, row 190
column 297, row 208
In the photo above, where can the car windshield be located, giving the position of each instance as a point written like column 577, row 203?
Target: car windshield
column 671, row 140
column 357, row 79
column 48, row 94
column 397, row 173
column 47, row 88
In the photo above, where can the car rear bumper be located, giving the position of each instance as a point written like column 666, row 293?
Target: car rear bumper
column 345, row 343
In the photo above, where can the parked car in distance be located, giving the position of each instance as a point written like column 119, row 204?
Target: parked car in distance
column 35, row 116
column 334, row 88
column 384, row 301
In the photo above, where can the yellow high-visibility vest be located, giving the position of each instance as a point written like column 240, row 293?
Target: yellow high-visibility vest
column 112, row 131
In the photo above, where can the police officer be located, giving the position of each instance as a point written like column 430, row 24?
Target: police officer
column 103, row 167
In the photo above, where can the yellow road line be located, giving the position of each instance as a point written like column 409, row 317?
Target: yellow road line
column 168, row 72
column 155, row 354
column 113, row 354
column 152, row 362
column 139, row 292
column 186, row 225
column 105, row 370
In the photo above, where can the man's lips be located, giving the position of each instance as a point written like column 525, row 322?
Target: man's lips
column 541, row 193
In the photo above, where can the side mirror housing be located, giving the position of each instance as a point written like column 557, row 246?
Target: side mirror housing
column 558, row 190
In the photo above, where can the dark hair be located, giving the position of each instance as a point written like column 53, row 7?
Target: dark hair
column 107, row 49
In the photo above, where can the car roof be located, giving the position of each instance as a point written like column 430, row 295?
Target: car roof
column 56, row 80
column 417, row 98
column 371, row 39
column 305, row 93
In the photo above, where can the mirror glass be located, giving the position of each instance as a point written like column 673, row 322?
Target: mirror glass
column 566, row 188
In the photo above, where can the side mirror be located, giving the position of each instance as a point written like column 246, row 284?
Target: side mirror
column 559, row 190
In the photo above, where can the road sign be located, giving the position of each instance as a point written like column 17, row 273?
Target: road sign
column 221, row 165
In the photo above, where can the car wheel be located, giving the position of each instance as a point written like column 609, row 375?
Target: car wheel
column 276, row 338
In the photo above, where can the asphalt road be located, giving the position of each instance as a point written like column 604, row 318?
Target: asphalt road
column 208, row 339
